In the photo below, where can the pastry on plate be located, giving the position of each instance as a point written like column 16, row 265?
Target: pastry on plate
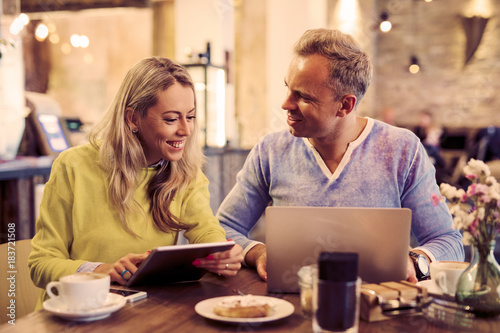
column 246, row 306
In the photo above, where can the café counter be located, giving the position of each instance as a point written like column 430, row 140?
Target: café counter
column 18, row 181
column 171, row 308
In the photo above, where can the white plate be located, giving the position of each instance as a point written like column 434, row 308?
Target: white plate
column 112, row 303
column 279, row 309
column 431, row 287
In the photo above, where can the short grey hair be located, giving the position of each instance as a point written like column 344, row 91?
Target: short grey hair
column 350, row 67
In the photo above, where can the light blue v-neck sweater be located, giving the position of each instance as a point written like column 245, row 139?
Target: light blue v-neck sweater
column 385, row 167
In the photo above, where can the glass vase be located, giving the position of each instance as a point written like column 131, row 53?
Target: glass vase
column 479, row 284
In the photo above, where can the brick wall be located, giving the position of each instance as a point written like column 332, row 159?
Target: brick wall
column 459, row 95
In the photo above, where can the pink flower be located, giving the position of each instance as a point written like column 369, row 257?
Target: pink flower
column 473, row 226
column 482, row 188
column 483, row 202
column 477, row 189
column 471, row 190
column 436, row 199
column 485, row 198
column 471, row 176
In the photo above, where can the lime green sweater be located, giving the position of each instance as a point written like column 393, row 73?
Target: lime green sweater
column 77, row 223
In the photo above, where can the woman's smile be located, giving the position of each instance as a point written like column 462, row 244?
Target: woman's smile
column 176, row 144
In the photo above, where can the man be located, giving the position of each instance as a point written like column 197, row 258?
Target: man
column 333, row 157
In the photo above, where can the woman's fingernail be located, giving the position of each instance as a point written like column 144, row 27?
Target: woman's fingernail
column 230, row 239
column 148, row 252
column 197, row 262
column 210, row 257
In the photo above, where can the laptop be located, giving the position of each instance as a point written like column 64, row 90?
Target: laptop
column 295, row 236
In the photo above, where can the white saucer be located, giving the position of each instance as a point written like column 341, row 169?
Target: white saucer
column 112, row 303
column 432, row 288
column 280, row 309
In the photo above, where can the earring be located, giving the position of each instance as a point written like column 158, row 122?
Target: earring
column 134, row 131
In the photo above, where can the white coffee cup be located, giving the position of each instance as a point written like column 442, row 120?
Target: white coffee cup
column 445, row 274
column 81, row 291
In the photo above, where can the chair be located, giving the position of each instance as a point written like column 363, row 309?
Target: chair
column 26, row 293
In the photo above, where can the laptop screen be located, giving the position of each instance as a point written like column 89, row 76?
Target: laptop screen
column 295, row 236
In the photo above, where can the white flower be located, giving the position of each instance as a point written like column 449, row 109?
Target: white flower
column 455, row 209
column 451, row 192
column 445, row 189
column 467, row 238
column 484, row 196
column 491, row 181
column 494, row 192
column 461, row 219
column 477, row 168
column 457, row 223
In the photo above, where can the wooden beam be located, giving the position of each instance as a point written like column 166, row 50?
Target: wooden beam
column 36, row 6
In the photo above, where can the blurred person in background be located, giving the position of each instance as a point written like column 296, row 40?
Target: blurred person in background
column 430, row 135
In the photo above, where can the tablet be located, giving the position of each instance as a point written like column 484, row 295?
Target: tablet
column 170, row 264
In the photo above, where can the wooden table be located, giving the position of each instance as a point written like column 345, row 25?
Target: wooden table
column 171, row 309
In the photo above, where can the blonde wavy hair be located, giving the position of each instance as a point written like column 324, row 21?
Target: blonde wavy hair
column 121, row 154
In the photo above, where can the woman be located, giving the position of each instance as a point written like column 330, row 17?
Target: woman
column 134, row 187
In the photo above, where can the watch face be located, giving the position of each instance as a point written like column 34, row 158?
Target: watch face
column 423, row 265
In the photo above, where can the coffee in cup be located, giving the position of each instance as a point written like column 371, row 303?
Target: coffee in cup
column 81, row 291
column 445, row 274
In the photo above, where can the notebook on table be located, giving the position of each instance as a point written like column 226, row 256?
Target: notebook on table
column 295, row 236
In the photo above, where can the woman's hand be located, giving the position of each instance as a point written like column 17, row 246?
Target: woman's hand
column 225, row 263
column 121, row 270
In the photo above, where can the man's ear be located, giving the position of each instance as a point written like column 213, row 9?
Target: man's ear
column 348, row 104
column 131, row 118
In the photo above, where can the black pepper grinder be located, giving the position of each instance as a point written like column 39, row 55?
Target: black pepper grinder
column 337, row 294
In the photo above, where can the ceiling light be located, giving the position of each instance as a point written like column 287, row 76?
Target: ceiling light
column 385, row 24
column 414, row 66
column 79, row 40
column 41, row 32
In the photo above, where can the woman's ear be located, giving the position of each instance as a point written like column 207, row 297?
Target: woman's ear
column 348, row 104
column 131, row 119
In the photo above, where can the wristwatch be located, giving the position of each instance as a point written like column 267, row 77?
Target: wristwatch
column 421, row 265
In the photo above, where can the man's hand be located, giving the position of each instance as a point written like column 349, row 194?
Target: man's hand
column 257, row 257
column 411, row 275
